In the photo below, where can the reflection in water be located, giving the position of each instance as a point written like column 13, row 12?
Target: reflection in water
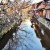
column 24, row 39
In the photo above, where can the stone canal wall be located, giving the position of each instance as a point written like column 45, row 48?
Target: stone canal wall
column 7, row 36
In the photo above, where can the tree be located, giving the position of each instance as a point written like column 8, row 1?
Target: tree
column 8, row 10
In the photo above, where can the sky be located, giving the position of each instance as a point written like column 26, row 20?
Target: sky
column 32, row 1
